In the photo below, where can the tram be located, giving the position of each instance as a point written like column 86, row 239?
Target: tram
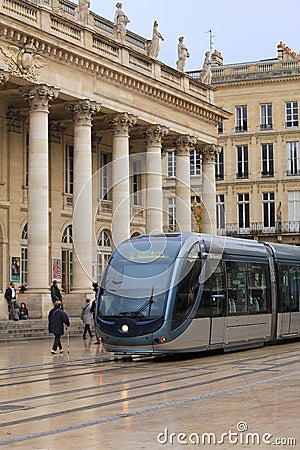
column 190, row 292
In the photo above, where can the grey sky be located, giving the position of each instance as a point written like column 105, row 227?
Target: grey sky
column 243, row 30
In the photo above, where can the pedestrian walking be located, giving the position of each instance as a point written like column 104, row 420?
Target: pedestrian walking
column 11, row 298
column 93, row 311
column 57, row 318
column 86, row 318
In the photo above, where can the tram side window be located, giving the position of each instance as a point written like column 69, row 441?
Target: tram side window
column 236, row 275
column 213, row 295
column 248, row 288
column 186, row 292
column 290, row 288
column 259, row 292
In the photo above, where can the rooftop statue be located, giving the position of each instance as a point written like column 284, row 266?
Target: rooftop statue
column 183, row 53
column 83, row 10
column 153, row 48
column 205, row 75
column 120, row 23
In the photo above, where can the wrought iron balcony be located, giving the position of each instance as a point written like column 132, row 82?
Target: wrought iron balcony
column 258, row 229
column 240, row 175
column 290, row 172
column 266, row 126
column 241, row 128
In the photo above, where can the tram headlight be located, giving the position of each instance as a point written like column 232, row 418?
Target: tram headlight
column 125, row 328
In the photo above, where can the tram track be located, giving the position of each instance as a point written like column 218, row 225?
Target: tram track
column 150, row 386
column 186, row 382
column 141, row 411
column 27, row 371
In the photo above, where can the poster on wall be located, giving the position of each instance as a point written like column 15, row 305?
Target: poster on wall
column 15, row 266
column 56, row 270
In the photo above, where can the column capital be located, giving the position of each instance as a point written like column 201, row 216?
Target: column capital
column 121, row 123
column 184, row 144
column 39, row 97
column 4, row 77
column 83, row 111
column 153, row 134
column 209, row 152
column 56, row 132
column 15, row 120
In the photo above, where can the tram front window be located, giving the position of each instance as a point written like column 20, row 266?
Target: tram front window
column 136, row 281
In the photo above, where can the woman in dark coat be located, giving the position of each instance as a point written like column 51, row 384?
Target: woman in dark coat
column 57, row 318
column 55, row 292
column 23, row 311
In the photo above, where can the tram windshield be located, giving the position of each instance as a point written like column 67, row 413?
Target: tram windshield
column 137, row 278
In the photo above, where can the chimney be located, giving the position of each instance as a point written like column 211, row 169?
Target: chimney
column 216, row 58
column 280, row 51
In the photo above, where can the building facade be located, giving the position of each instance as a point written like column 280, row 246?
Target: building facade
column 258, row 169
column 89, row 127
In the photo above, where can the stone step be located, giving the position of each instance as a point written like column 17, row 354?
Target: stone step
column 34, row 329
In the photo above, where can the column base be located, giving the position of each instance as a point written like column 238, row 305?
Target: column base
column 74, row 302
column 3, row 308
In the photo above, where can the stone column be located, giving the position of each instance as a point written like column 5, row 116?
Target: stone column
column 82, row 112
column 56, row 161
column 15, row 124
column 120, row 125
column 14, row 216
column 209, row 219
column 39, row 98
column 154, row 199
column 183, row 189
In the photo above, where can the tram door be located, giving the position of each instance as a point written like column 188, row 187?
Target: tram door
column 214, row 297
column 290, row 292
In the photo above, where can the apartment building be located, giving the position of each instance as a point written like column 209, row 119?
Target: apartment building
column 258, row 169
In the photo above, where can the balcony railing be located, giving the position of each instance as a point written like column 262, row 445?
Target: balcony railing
column 258, row 228
column 290, row 172
column 267, row 174
column 95, row 39
column 241, row 128
column 252, row 71
column 241, row 175
column 266, row 126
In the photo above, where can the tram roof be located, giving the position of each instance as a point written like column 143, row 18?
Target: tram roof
column 234, row 246
column 285, row 252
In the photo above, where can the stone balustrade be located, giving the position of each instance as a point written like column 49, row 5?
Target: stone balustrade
column 59, row 18
column 251, row 71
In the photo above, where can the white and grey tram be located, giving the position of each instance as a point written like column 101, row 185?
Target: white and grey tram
column 189, row 292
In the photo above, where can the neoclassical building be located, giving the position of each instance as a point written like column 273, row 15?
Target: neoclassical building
column 258, row 169
column 90, row 126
